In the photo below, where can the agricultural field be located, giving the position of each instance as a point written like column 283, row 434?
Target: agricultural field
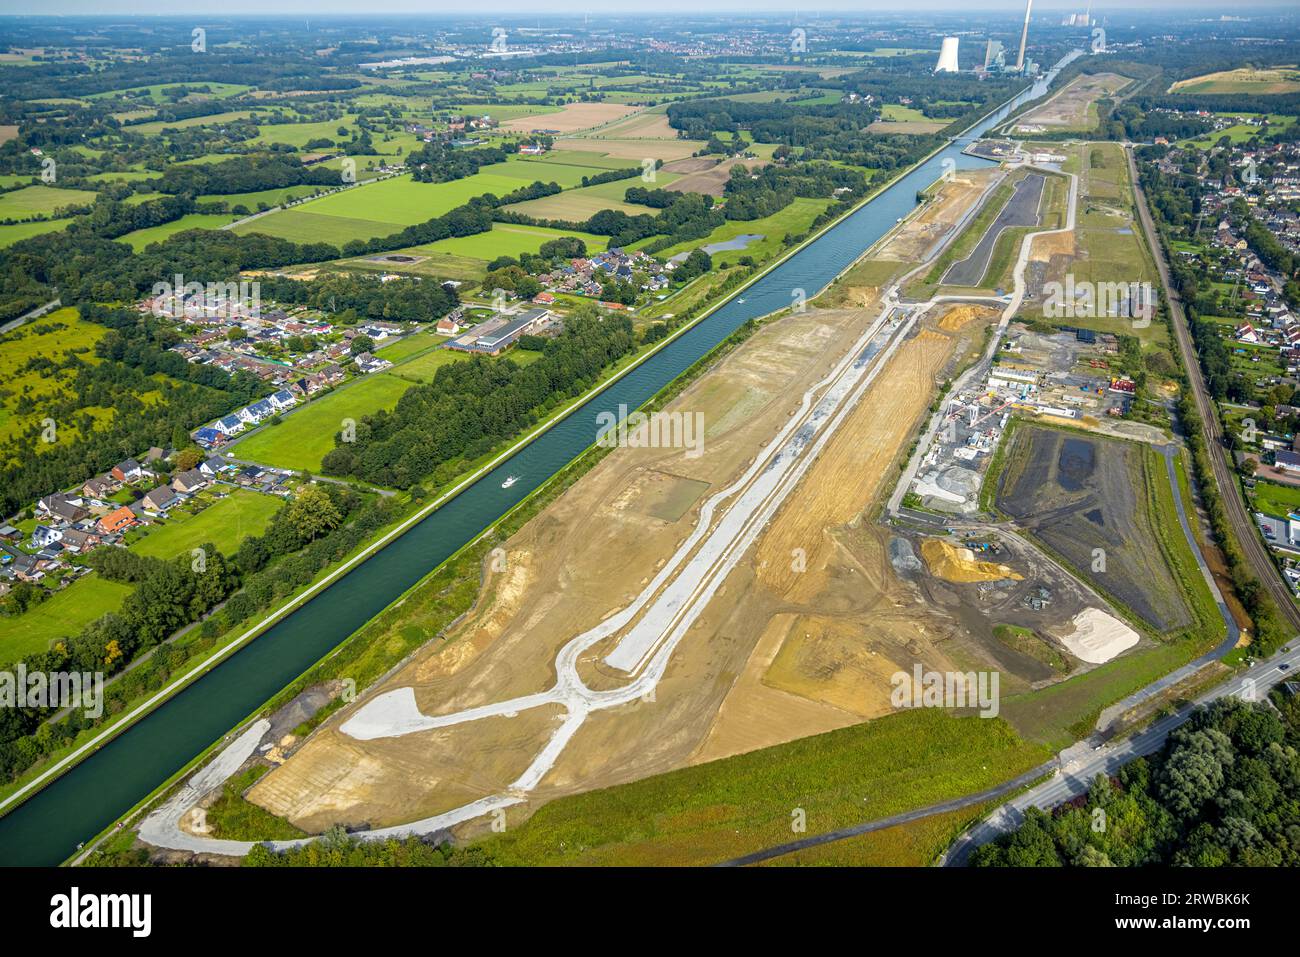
column 17, row 231
column 223, row 522
column 61, row 615
column 1247, row 79
column 141, row 238
column 303, row 437
column 375, row 209
column 571, row 119
column 41, row 201
column 507, row 239
column 579, row 205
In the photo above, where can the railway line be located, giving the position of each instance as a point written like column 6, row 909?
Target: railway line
column 1238, row 515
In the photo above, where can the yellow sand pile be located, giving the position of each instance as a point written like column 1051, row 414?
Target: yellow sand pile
column 956, row 564
column 958, row 316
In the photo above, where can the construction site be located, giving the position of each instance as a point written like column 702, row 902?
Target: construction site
column 677, row 606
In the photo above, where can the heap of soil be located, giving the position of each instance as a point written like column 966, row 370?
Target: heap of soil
column 956, row 564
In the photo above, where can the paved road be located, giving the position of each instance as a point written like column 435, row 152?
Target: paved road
column 1224, row 474
column 943, row 807
column 1021, row 209
column 1077, row 773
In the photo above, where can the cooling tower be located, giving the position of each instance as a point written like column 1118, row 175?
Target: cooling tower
column 947, row 56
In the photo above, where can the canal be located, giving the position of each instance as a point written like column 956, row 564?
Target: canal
column 47, row 828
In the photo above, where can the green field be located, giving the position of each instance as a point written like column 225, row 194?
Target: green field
column 51, row 337
column 216, row 119
column 19, row 231
column 301, row 440
column 62, row 615
column 376, row 209
column 224, row 523
column 141, row 238
column 1273, row 499
column 715, row 811
column 41, row 200
column 507, row 239
column 794, row 219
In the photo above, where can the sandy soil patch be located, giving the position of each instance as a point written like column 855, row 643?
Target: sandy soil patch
column 636, row 149
column 571, row 119
column 951, row 202
column 8, row 133
column 1097, row 637
column 907, row 127
column 1069, row 108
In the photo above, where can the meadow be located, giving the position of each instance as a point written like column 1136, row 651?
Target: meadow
column 41, row 200
column 224, row 523
column 61, row 615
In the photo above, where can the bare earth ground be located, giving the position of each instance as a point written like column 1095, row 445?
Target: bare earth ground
column 1070, row 106
column 913, row 127
column 911, row 241
column 710, row 181
column 631, row 148
column 802, row 638
column 571, row 119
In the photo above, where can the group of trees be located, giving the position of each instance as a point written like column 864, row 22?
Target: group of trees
column 249, row 173
column 470, row 406
column 166, row 595
column 1224, row 791
column 351, row 296
column 439, row 162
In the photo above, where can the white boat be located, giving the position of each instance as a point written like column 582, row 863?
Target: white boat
column 739, row 301
column 510, row 481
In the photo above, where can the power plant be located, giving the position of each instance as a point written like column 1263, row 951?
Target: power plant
column 1024, row 35
column 947, row 56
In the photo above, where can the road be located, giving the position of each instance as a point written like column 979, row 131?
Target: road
column 1243, row 525
column 1078, row 772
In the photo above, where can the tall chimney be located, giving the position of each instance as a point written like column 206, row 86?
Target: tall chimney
column 1024, row 35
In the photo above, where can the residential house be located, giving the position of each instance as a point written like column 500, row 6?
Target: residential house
column 117, row 521
column 189, row 481
column 76, row 540
column 160, row 499
column 127, row 471
column 99, row 487
column 44, row 536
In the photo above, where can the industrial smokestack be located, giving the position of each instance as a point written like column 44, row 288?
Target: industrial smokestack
column 1024, row 35
column 947, row 56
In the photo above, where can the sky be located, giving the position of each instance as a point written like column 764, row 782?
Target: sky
column 652, row 8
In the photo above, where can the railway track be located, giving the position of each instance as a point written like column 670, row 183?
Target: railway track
column 1242, row 523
